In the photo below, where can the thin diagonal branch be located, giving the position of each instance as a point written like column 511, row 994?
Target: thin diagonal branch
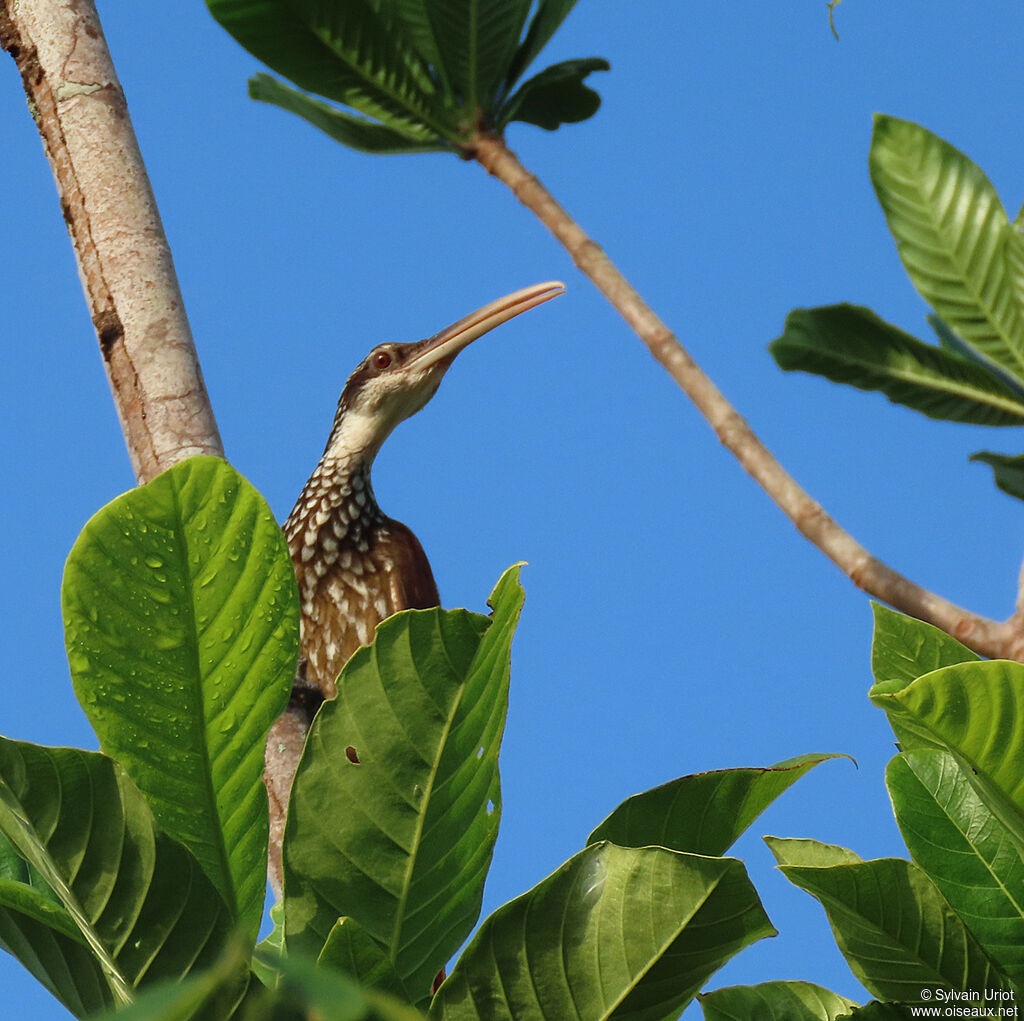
column 987, row 637
column 107, row 202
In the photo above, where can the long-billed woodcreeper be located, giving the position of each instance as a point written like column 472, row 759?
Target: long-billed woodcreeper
column 354, row 565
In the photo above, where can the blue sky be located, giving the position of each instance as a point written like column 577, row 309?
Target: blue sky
column 675, row 621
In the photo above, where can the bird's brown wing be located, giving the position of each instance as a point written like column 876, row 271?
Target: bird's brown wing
column 411, row 584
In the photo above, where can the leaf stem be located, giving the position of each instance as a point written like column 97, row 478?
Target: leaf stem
column 986, row 636
column 123, row 257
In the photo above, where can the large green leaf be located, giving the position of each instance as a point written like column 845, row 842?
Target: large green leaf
column 966, row 851
column 953, row 235
column 850, row 344
column 704, row 813
column 893, row 926
column 356, row 53
column 110, row 903
column 351, row 950
column 1008, row 470
column 181, row 622
column 614, row 933
column 556, row 96
column 396, row 801
column 477, row 40
column 355, row 132
column 775, row 1001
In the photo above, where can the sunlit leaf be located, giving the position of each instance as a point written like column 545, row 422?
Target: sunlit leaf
column 545, row 22
column 967, row 852
column 893, row 926
column 615, row 933
column 124, row 904
column 704, row 813
column 953, row 234
column 850, row 344
column 774, row 1001
column 181, row 622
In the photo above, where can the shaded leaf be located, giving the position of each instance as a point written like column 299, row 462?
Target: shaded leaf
column 269, row 951
column 556, row 96
column 1008, row 470
column 965, row 850
column 181, row 622
column 952, row 233
column 132, row 906
column 614, row 933
column 352, row 53
column 774, row 1001
column 355, row 132
column 893, row 926
column 704, row 813
column 956, row 344
column 351, row 950
column 477, row 40
column 396, row 801
column 546, row 21
column 850, row 344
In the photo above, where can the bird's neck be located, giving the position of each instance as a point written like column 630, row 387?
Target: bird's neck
column 336, row 510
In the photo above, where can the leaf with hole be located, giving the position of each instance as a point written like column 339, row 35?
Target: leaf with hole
column 396, row 801
column 181, row 623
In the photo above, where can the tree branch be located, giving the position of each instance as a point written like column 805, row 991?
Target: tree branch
column 123, row 257
column 987, row 637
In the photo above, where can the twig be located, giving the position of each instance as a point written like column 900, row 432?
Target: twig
column 123, row 257
column 987, row 637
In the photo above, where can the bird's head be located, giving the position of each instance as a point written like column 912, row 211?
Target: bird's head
column 396, row 380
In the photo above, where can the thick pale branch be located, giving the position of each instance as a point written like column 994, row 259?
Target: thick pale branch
column 108, row 205
column 988, row 637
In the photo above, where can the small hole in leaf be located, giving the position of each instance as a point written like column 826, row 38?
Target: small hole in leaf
column 480, row 752
column 350, row 754
column 490, row 808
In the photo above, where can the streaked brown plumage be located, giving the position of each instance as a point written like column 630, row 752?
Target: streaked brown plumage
column 355, row 566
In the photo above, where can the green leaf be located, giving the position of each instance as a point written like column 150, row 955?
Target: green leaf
column 355, row 132
column 893, row 926
column 974, row 711
column 875, row 1011
column 614, row 933
column 181, row 622
column 953, row 234
column 269, row 951
column 850, row 344
column 966, row 851
column 546, row 21
column 477, row 40
column 306, row 991
column 354, row 53
column 351, row 950
column 556, row 96
column 704, row 813
column 396, row 801
column 1007, row 468
column 125, row 905
column 904, row 648
column 775, row 1001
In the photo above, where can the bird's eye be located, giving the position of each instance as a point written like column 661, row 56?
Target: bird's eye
column 381, row 360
